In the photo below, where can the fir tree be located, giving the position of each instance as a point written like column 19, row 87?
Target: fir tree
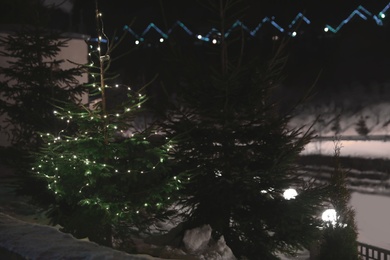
column 235, row 146
column 336, row 128
column 34, row 82
column 361, row 127
column 339, row 238
column 109, row 178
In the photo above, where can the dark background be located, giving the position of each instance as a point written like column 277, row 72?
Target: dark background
column 353, row 61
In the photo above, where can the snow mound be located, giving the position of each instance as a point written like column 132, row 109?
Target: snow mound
column 199, row 241
column 32, row 241
column 194, row 244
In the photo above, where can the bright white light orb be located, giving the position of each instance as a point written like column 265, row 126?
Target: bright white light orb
column 290, row 194
column 326, row 29
column 329, row 215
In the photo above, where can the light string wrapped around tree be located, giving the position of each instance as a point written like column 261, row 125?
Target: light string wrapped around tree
column 106, row 183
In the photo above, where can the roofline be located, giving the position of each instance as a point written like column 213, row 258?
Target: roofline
column 10, row 28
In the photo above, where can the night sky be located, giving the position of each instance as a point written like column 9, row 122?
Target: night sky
column 362, row 42
column 141, row 13
column 357, row 53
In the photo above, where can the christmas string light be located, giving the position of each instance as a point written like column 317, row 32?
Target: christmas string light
column 77, row 165
column 360, row 12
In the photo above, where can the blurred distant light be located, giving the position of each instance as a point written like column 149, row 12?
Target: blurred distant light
column 326, row 29
column 161, row 39
column 137, row 42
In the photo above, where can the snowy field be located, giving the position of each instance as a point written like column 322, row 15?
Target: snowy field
column 372, row 210
column 353, row 148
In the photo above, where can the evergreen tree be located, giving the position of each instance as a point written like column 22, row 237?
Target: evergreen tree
column 361, row 127
column 33, row 81
column 234, row 145
column 109, row 178
column 339, row 237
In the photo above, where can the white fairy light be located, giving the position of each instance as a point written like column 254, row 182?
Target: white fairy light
column 290, row 194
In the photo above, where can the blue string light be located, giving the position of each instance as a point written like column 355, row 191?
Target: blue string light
column 211, row 36
column 185, row 28
column 153, row 26
column 299, row 16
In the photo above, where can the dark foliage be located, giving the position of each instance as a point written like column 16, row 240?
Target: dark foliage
column 33, row 84
column 234, row 145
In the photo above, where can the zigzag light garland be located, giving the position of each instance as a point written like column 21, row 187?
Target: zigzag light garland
column 360, row 11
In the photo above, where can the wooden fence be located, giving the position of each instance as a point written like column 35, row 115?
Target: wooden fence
column 368, row 252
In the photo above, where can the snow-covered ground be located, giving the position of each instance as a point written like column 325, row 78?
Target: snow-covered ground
column 34, row 241
column 372, row 218
column 372, row 210
column 353, row 148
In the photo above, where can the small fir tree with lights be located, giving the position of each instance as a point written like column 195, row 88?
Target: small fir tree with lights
column 339, row 236
column 106, row 184
column 235, row 146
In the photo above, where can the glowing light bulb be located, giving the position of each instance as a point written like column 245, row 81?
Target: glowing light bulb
column 329, row 215
column 290, row 194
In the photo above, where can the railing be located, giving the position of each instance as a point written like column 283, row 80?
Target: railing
column 368, row 252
